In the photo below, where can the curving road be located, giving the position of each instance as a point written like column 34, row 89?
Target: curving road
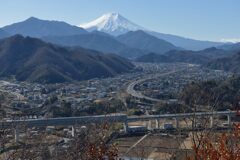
column 130, row 89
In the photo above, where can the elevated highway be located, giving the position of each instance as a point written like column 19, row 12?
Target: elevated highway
column 101, row 119
column 111, row 118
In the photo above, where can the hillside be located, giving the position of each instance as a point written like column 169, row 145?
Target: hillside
column 97, row 41
column 141, row 40
column 197, row 57
column 232, row 47
column 186, row 43
column 3, row 34
column 30, row 59
column 215, row 53
column 228, row 63
column 221, row 94
column 35, row 27
column 174, row 56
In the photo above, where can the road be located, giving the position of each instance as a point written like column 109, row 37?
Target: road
column 134, row 93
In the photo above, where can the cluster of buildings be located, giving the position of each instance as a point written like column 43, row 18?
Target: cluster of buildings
column 32, row 96
column 169, row 87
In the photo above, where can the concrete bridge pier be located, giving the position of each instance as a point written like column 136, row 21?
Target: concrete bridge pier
column 157, row 123
column 16, row 134
column 125, row 126
column 73, row 131
column 229, row 119
column 211, row 121
column 149, row 125
column 177, row 122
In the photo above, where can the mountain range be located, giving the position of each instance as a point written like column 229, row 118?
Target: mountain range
column 35, row 27
column 115, row 24
column 187, row 56
column 141, row 40
column 230, row 63
column 33, row 60
column 96, row 41
column 131, row 44
column 186, row 43
column 68, row 53
column 112, row 24
column 232, row 47
column 65, row 34
column 174, row 56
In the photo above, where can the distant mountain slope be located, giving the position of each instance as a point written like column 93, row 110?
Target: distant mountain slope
column 30, row 59
column 231, row 47
column 174, row 56
column 3, row 34
column 215, row 53
column 154, row 58
column 97, row 41
column 187, row 43
column 231, row 63
column 115, row 24
column 38, row 28
column 187, row 57
column 141, row 40
column 198, row 57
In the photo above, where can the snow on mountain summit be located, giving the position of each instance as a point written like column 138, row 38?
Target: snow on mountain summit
column 115, row 24
column 112, row 23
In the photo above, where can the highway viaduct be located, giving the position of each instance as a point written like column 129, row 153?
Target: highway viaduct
column 111, row 118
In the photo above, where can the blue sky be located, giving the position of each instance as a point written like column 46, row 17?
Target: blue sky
column 199, row 19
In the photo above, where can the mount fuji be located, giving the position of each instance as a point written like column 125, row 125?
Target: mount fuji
column 115, row 24
column 112, row 23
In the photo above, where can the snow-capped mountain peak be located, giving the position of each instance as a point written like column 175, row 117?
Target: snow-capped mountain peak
column 112, row 23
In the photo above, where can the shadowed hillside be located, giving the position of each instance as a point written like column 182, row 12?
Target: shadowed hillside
column 30, row 59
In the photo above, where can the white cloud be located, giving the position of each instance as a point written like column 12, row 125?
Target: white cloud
column 232, row 40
